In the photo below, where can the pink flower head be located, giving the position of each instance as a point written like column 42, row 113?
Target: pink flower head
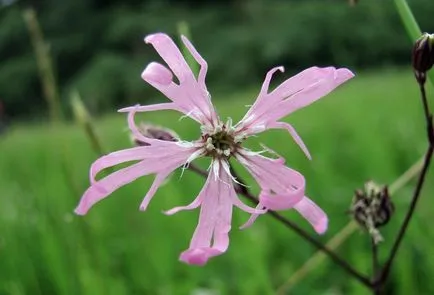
column 281, row 187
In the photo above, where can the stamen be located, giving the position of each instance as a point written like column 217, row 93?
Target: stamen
column 239, row 137
column 229, row 123
column 218, row 129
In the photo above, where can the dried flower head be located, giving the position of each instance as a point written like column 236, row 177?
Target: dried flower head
column 372, row 208
column 423, row 56
column 281, row 187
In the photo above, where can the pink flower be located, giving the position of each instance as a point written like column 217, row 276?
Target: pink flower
column 281, row 187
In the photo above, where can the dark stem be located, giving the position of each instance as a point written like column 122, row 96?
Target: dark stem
column 425, row 104
column 243, row 190
column 375, row 267
column 416, row 194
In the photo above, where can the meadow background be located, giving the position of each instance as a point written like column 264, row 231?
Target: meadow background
column 370, row 128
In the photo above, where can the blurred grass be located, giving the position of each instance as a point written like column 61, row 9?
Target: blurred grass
column 371, row 128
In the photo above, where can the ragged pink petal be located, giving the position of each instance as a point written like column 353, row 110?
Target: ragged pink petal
column 307, row 208
column 199, row 59
column 104, row 187
column 294, row 134
column 278, row 201
column 193, row 205
column 123, row 156
column 309, row 94
column 150, row 108
column 138, row 135
column 199, row 256
column 160, row 158
column 234, row 198
column 293, row 94
column 157, row 73
column 211, row 236
column 170, row 53
column 262, row 97
column 161, row 176
column 253, row 217
column 281, row 187
column 313, row 214
column 239, row 204
column 190, row 96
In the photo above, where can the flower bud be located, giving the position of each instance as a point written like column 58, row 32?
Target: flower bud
column 372, row 208
column 155, row 132
column 423, row 56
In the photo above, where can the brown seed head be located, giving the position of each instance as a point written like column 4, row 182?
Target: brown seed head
column 372, row 208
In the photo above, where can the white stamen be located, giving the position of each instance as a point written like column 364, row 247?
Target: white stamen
column 239, row 137
column 218, row 129
column 227, row 152
column 248, row 152
column 194, row 113
column 228, row 171
column 229, row 123
column 194, row 156
column 209, row 146
column 267, row 149
column 219, row 151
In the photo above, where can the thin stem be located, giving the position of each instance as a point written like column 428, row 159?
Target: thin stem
column 338, row 260
column 428, row 116
column 416, row 194
column 84, row 120
column 339, row 238
column 45, row 65
column 409, row 215
column 375, row 267
column 243, row 190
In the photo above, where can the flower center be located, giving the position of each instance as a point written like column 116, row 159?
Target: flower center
column 220, row 143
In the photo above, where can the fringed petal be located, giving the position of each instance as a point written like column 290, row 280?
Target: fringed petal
column 293, row 94
column 161, row 158
column 211, row 237
column 189, row 96
column 313, row 214
column 281, row 187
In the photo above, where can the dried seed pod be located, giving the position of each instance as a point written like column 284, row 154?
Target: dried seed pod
column 372, row 208
column 423, row 56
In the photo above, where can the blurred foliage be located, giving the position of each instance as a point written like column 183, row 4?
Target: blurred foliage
column 98, row 48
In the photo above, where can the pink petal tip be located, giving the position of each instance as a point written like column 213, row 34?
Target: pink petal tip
column 80, row 211
column 151, row 38
column 157, row 73
column 343, row 75
column 321, row 226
